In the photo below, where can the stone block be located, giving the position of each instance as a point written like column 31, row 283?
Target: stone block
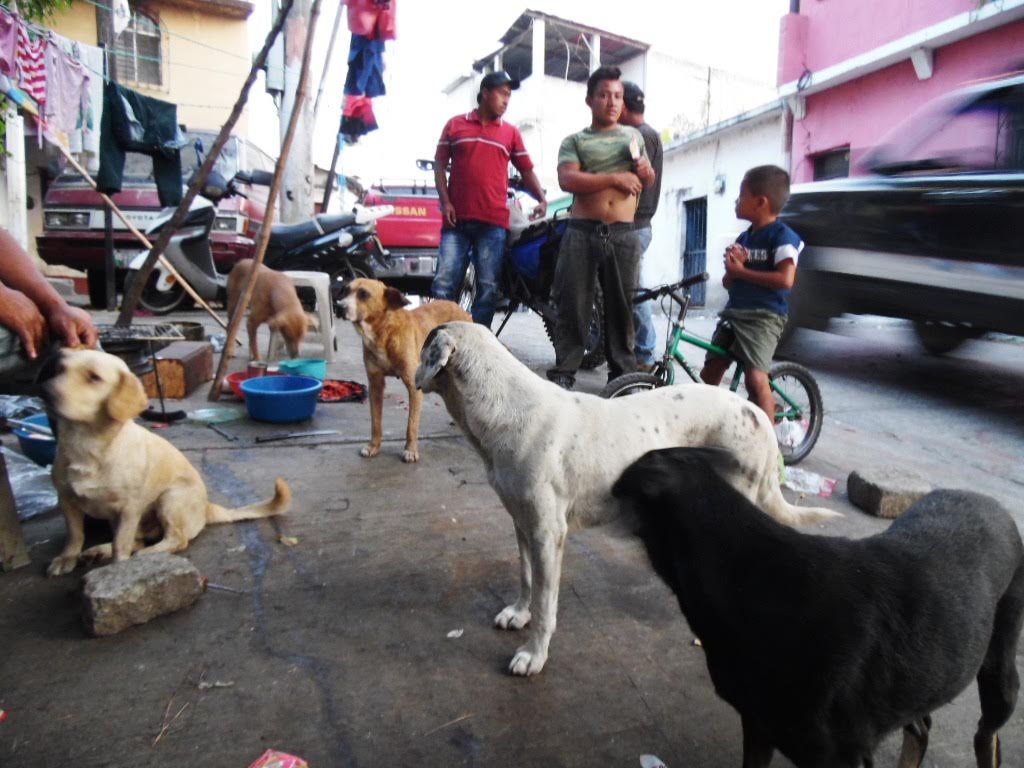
column 885, row 492
column 137, row 590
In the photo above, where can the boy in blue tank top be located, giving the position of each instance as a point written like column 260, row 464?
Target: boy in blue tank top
column 760, row 268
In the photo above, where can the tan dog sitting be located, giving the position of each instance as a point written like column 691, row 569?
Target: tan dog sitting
column 109, row 467
column 392, row 337
column 274, row 302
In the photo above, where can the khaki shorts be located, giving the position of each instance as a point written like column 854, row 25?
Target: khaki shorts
column 750, row 334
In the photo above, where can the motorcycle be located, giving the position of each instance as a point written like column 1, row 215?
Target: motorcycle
column 528, row 273
column 341, row 245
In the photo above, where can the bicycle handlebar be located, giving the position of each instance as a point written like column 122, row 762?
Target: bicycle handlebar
column 665, row 290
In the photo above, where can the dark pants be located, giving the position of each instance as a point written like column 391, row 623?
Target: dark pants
column 594, row 252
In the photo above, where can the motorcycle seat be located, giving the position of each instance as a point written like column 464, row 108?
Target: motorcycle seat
column 284, row 237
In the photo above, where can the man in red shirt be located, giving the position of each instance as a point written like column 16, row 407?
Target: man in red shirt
column 474, row 202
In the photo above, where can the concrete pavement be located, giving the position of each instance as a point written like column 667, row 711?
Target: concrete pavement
column 337, row 649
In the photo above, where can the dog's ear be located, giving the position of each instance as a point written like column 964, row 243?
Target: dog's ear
column 128, row 399
column 437, row 351
column 394, row 298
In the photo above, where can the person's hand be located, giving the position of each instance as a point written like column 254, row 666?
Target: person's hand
column 628, row 183
column 734, row 261
column 643, row 166
column 72, row 326
column 20, row 314
column 737, row 252
column 539, row 211
column 448, row 214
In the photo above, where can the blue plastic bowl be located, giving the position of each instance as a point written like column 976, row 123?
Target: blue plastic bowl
column 304, row 366
column 281, row 398
column 40, row 448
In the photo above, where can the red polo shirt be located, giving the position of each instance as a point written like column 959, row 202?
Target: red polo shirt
column 480, row 154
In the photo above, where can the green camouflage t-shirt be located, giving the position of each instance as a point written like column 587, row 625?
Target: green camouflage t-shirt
column 610, row 151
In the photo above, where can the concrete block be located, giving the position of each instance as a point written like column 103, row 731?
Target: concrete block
column 885, row 492
column 137, row 590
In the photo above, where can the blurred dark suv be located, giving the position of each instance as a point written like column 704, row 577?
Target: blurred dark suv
column 73, row 213
column 935, row 234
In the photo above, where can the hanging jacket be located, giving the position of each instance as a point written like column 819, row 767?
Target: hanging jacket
column 132, row 122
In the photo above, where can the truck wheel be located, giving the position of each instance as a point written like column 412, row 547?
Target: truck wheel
column 940, row 338
column 156, row 301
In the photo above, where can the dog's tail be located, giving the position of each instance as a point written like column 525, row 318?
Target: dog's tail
column 771, row 500
column 276, row 506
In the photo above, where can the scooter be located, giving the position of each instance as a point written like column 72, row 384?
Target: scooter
column 325, row 243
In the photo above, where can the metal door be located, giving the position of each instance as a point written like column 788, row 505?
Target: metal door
column 695, row 245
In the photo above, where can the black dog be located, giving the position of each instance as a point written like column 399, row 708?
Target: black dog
column 824, row 645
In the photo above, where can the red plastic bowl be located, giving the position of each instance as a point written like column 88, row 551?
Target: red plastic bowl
column 235, row 382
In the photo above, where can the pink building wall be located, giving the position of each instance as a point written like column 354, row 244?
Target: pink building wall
column 837, row 30
column 860, row 113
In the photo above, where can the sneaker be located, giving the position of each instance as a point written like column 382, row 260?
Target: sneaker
column 645, row 367
column 565, row 381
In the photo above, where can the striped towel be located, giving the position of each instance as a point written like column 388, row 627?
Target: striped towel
column 30, row 56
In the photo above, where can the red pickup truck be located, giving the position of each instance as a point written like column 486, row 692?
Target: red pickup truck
column 73, row 214
column 411, row 234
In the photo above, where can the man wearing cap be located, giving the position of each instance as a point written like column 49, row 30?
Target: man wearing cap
column 646, row 337
column 474, row 202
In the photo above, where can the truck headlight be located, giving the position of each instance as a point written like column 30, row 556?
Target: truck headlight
column 66, row 220
column 227, row 224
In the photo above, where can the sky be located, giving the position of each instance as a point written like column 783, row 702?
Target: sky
column 439, row 39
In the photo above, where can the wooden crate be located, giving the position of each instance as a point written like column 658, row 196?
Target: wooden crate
column 183, row 366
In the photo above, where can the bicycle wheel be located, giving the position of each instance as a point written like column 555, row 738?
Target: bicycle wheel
column 799, row 419
column 630, row 384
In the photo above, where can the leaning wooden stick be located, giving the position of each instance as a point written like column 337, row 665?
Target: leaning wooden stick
column 131, row 299
column 272, row 195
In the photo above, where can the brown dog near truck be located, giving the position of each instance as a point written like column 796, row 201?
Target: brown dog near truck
column 392, row 337
column 274, row 302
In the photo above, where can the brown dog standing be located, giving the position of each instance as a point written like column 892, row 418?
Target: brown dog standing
column 274, row 302
column 392, row 338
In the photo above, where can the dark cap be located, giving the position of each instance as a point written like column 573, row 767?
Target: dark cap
column 494, row 79
column 632, row 96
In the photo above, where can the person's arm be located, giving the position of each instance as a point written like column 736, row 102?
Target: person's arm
column 579, row 182
column 644, row 171
column 441, row 156
column 536, row 190
column 32, row 308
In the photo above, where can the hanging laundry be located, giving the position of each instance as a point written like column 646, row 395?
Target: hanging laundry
column 67, row 92
column 8, row 42
column 357, row 118
column 30, row 56
column 136, row 123
column 372, row 18
column 365, row 67
column 87, row 140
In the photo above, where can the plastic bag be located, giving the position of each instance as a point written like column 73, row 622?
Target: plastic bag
column 804, row 481
column 32, row 485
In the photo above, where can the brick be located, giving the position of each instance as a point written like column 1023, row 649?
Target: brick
column 885, row 492
column 137, row 590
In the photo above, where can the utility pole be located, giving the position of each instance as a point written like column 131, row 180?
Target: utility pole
column 297, row 185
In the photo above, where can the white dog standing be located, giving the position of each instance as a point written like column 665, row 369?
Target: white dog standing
column 552, row 456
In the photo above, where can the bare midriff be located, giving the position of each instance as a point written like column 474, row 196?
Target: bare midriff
column 608, row 205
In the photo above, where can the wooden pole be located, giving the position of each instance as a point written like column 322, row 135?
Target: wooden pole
column 131, row 299
column 275, row 188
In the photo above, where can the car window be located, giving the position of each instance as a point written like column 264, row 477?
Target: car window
column 984, row 135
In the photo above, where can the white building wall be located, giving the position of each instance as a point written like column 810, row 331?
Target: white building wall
column 689, row 173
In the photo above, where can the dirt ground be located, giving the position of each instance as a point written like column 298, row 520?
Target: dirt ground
column 341, row 649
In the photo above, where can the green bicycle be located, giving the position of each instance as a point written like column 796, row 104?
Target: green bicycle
column 799, row 407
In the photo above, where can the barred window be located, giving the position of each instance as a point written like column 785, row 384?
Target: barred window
column 136, row 55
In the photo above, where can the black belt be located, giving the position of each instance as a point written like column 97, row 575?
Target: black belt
column 600, row 228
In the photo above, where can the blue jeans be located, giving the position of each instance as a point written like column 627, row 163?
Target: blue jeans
column 485, row 245
column 646, row 336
